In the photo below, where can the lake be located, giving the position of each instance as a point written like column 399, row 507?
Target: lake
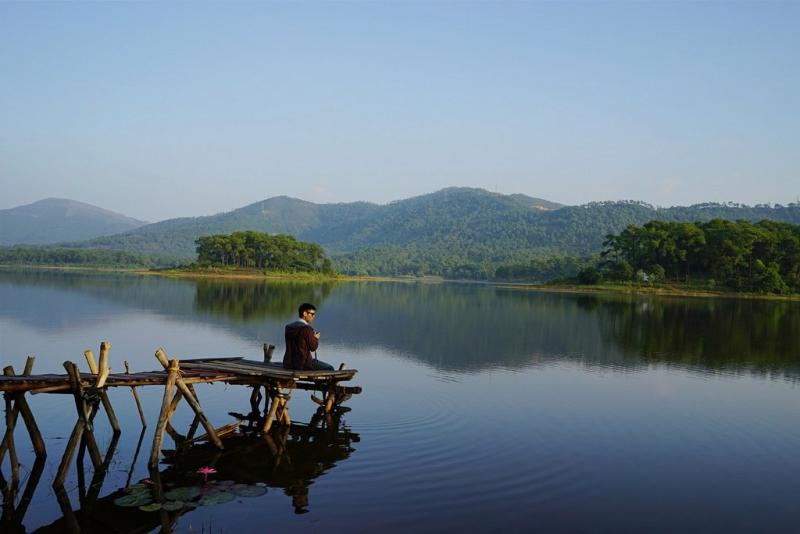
column 482, row 408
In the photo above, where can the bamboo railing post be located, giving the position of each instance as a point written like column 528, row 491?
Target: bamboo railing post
column 136, row 398
column 101, row 374
column 268, row 350
column 172, row 376
column 11, row 420
column 192, row 401
column 90, row 361
column 103, row 370
column 83, row 413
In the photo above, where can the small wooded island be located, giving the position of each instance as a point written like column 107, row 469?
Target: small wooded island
column 740, row 256
column 251, row 252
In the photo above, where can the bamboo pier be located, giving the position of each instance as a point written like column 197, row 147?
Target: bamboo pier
column 270, row 382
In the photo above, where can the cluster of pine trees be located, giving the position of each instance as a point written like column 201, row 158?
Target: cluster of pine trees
column 744, row 256
column 262, row 251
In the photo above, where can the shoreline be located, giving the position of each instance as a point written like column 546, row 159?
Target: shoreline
column 649, row 290
column 660, row 291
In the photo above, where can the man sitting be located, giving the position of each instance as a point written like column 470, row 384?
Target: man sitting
column 301, row 341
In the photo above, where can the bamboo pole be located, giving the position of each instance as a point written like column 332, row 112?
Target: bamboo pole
column 90, row 360
column 103, row 370
column 9, row 441
column 135, row 457
column 97, row 479
column 21, row 407
column 97, row 371
column 192, row 401
column 112, row 417
column 21, row 404
column 66, row 508
column 74, row 438
column 176, row 436
column 172, row 376
column 136, row 398
column 330, row 398
column 196, row 420
column 80, row 404
column 268, row 349
column 28, row 366
column 30, row 488
column 273, row 409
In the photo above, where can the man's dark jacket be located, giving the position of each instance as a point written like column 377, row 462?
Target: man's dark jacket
column 300, row 343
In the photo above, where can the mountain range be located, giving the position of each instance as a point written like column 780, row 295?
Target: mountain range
column 437, row 233
column 54, row 220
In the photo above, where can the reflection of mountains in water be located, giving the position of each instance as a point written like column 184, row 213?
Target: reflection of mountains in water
column 453, row 326
column 288, row 458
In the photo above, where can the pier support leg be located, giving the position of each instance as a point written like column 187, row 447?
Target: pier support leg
column 192, row 401
column 136, row 397
column 84, row 412
column 155, row 451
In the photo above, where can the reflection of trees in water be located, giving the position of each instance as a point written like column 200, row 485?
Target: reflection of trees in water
column 249, row 300
column 457, row 326
column 708, row 333
column 448, row 326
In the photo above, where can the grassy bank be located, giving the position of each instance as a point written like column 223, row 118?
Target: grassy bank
column 665, row 289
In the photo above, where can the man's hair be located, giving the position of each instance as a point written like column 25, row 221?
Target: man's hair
column 304, row 307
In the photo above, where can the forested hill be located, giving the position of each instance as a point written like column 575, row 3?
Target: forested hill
column 434, row 233
column 54, row 220
column 342, row 227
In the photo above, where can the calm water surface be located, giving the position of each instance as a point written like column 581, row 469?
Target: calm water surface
column 483, row 407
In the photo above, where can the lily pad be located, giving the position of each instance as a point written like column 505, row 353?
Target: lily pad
column 152, row 507
column 133, row 500
column 136, row 487
column 171, row 506
column 225, row 482
column 219, row 497
column 247, row 490
column 186, row 493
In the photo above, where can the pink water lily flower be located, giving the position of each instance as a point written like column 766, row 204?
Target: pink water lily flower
column 205, row 471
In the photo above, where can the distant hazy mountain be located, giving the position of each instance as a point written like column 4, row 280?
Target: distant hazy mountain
column 451, row 227
column 55, row 220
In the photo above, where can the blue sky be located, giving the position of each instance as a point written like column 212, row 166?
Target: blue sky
column 160, row 110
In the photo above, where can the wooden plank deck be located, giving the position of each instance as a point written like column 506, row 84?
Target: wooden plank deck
column 193, row 371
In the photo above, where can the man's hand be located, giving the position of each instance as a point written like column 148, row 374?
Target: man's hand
column 316, row 335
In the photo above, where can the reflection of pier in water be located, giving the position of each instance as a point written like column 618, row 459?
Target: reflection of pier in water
column 287, row 458
column 89, row 392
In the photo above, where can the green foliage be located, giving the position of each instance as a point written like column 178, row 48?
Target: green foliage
column 589, row 276
column 257, row 250
column 42, row 255
column 762, row 257
column 458, row 233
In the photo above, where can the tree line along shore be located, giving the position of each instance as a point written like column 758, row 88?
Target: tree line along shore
column 715, row 256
